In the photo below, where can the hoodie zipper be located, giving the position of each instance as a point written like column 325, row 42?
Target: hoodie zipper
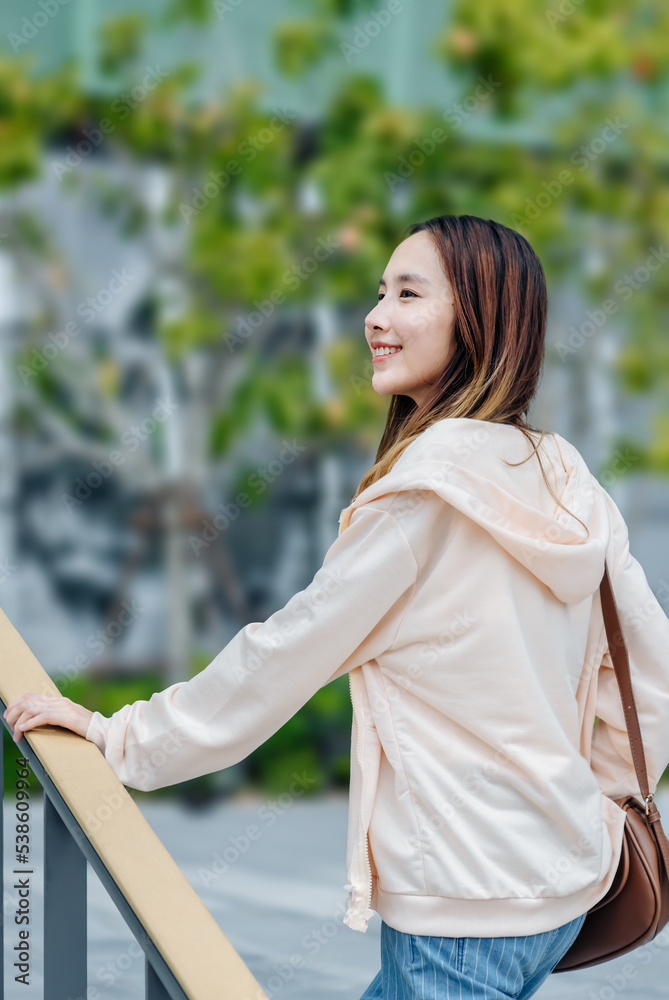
column 366, row 900
column 359, row 919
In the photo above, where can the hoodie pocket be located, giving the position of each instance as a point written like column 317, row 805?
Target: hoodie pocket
column 394, row 835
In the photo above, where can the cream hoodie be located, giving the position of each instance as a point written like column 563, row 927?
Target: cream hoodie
column 463, row 603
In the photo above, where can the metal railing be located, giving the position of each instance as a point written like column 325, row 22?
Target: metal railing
column 89, row 816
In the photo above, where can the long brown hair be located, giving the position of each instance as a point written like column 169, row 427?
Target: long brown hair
column 495, row 366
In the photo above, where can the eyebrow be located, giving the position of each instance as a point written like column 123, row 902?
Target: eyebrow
column 408, row 277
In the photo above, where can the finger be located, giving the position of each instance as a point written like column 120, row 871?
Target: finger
column 31, row 721
column 27, row 702
column 21, row 710
column 28, row 713
column 15, row 707
column 14, row 715
column 21, row 721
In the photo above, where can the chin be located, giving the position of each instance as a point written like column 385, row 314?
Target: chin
column 387, row 388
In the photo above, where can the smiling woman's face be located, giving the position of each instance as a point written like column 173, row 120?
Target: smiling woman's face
column 414, row 313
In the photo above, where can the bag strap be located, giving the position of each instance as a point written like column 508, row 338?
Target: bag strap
column 618, row 651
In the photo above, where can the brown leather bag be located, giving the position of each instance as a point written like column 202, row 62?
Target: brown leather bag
column 636, row 906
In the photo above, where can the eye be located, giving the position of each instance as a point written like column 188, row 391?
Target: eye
column 408, row 290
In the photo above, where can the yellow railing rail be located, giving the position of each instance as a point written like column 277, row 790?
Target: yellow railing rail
column 187, row 954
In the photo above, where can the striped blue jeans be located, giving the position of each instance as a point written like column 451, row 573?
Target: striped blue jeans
column 422, row 967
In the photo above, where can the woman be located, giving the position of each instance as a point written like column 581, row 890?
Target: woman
column 461, row 597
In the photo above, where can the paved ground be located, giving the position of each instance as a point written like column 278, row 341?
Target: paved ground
column 281, row 899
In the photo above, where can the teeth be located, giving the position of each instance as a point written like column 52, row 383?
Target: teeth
column 379, row 351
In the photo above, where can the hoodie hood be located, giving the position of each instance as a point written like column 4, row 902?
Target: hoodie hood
column 464, row 461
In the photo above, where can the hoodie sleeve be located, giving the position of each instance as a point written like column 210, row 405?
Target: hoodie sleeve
column 645, row 629
column 348, row 614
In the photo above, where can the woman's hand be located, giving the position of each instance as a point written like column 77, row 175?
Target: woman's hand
column 31, row 710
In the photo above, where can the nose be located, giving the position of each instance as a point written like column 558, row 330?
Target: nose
column 376, row 318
